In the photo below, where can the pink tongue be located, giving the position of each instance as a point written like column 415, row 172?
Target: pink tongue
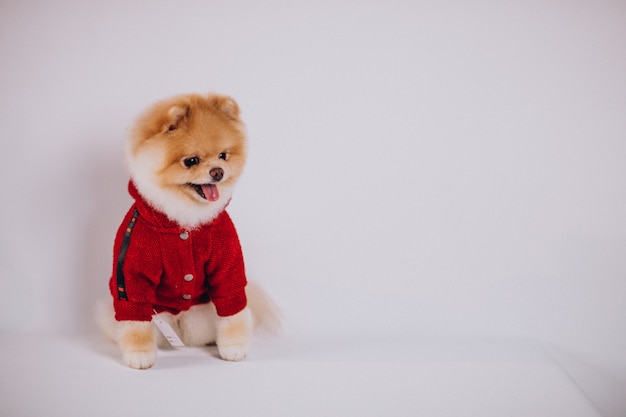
column 210, row 191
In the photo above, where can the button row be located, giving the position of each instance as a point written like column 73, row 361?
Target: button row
column 189, row 277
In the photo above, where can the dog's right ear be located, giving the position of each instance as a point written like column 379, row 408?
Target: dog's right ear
column 176, row 116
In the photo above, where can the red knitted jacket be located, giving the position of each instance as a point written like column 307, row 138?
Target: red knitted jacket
column 170, row 268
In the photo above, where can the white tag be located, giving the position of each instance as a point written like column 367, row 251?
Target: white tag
column 167, row 331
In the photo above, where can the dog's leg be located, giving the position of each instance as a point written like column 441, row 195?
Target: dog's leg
column 233, row 335
column 136, row 339
column 137, row 342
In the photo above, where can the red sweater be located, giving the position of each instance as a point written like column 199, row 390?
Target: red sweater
column 170, row 268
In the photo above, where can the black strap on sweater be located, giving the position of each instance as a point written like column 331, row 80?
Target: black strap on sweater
column 121, row 284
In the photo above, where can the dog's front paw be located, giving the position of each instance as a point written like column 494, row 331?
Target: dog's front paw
column 233, row 353
column 137, row 342
column 139, row 360
column 233, row 335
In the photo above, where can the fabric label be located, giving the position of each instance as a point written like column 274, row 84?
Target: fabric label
column 167, row 331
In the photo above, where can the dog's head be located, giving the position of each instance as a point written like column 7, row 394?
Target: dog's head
column 185, row 155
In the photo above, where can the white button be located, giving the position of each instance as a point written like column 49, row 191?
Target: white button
column 187, row 297
column 184, row 235
column 188, row 277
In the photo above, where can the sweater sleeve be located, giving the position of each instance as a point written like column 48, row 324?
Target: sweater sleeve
column 225, row 271
column 142, row 272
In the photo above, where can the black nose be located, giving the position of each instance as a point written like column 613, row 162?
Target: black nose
column 217, row 174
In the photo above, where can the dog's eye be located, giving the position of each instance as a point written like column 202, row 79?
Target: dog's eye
column 223, row 156
column 189, row 162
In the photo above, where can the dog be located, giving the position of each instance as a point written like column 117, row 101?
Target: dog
column 177, row 256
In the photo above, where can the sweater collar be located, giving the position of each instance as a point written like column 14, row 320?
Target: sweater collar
column 149, row 213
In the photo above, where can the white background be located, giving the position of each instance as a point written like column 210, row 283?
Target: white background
column 425, row 168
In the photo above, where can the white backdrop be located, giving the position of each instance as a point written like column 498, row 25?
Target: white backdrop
column 427, row 167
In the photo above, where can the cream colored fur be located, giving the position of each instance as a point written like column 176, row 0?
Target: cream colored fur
column 143, row 170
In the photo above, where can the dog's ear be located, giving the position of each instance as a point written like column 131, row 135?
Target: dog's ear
column 225, row 105
column 175, row 116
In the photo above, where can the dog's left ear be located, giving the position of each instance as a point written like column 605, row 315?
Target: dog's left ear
column 176, row 115
column 225, row 105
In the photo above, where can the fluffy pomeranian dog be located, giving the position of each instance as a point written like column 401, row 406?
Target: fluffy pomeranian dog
column 177, row 256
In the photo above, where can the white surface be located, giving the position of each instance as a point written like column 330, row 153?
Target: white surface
column 417, row 168
column 79, row 377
